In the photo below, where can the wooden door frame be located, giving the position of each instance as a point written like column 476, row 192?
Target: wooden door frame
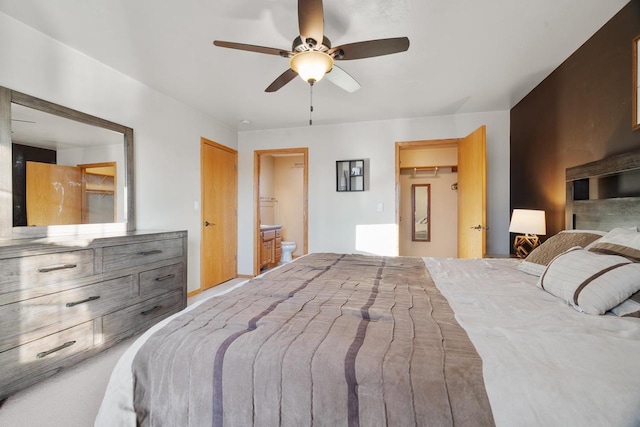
column 203, row 142
column 414, row 145
column 303, row 151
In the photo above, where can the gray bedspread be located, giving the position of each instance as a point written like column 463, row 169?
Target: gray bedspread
column 326, row 340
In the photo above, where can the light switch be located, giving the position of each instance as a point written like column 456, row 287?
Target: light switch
column 380, row 207
column 196, row 206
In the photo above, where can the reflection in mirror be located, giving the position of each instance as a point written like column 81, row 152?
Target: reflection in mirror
column 51, row 184
column 421, row 210
column 99, row 193
column 68, row 171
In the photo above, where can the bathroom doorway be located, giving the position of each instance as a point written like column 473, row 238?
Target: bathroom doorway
column 280, row 199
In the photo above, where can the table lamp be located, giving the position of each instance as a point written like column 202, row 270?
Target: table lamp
column 531, row 223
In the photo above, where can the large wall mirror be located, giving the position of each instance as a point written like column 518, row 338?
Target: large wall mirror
column 63, row 171
column 421, row 210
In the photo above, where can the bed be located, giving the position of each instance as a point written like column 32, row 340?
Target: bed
column 335, row 339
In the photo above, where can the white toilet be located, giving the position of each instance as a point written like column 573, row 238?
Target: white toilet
column 287, row 250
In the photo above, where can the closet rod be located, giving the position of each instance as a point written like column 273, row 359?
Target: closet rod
column 414, row 171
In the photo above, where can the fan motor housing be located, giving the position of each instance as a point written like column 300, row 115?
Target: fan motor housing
column 300, row 46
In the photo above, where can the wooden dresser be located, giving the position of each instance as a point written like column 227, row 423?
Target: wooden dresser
column 63, row 300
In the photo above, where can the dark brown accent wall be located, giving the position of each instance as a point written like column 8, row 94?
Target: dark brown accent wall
column 580, row 113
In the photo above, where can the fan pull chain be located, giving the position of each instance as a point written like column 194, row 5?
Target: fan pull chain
column 310, row 103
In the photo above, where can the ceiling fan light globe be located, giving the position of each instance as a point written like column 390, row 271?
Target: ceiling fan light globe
column 311, row 65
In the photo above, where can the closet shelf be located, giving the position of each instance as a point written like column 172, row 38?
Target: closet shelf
column 423, row 170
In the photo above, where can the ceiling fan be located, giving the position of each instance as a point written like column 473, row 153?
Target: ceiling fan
column 311, row 55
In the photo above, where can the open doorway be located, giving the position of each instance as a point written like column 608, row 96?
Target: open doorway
column 281, row 206
column 462, row 226
column 428, row 177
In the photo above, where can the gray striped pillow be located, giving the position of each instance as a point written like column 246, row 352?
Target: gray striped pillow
column 541, row 256
column 589, row 281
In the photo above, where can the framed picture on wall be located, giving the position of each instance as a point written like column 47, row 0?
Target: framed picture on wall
column 636, row 83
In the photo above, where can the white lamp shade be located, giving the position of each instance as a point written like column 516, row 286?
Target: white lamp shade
column 311, row 65
column 528, row 221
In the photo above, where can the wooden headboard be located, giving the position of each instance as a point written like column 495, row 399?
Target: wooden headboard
column 604, row 194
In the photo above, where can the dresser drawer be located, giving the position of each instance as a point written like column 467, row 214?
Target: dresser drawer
column 141, row 316
column 33, row 318
column 41, row 270
column 161, row 280
column 46, row 355
column 137, row 254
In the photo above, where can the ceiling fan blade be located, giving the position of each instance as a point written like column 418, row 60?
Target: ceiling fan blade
column 253, row 48
column 342, row 79
column 311, row 20
column 282, row 80
column 370, row 48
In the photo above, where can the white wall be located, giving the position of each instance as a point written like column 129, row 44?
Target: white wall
column 166, row 132
column 349, row 222
column 289, row 191
column 267, row 190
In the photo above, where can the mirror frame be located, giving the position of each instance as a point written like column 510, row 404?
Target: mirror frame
column 7, row 231
column 413, row 213
column 635, row 84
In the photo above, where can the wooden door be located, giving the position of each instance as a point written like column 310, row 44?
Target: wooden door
column 472, row 195
column 54, row 194
column 219, row 213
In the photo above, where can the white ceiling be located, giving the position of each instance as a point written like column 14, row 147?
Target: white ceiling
column 39, row 129
column 465, row 55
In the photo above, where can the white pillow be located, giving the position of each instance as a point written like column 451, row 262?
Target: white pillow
column 620, row 241
column 629, row 307
column 589, row 281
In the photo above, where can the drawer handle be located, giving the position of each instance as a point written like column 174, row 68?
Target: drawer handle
column 56, row 267
column 53, row 350
column 153, row 252
column 144, row 313
column 163, row 278
column 71, row 304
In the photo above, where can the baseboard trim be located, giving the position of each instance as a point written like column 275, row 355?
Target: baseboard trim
column 192, row 293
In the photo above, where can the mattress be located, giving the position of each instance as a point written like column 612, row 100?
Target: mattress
column 543, row 363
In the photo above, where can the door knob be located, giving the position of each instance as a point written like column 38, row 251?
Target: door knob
column 479, row 227
column 207, row 223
